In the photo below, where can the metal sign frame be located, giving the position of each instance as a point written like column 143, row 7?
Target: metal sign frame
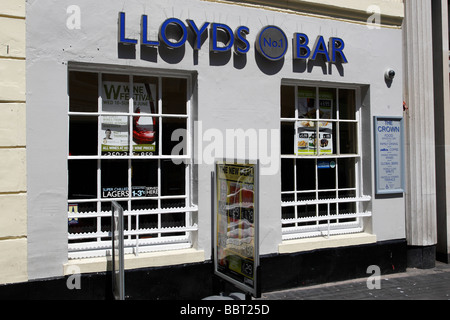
column 117, row 236
column 389, row 155
column 236, row 225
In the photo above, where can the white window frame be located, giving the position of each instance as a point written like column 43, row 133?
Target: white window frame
column 97, row 246
column 313, row 226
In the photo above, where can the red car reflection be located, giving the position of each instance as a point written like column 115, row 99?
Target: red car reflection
column 142, row 134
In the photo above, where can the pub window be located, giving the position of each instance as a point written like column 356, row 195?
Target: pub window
column 321, row 174
column 120, row 148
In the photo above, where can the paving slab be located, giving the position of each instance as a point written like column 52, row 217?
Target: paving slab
column 414, row 284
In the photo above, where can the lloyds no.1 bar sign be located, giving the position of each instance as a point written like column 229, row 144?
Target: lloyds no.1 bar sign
column 236, row 238
column 389, row 155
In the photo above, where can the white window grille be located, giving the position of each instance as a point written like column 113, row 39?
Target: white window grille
column 120, row 148
column 321, row 162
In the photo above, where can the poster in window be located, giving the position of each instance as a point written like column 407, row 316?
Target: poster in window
column 236, row 227
column 114, row 135
column 123, row 192
column 73, row 209
column 116, row 128
column 308, row 140
column 306, row 105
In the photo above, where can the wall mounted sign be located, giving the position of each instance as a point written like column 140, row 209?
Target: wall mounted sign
column 236, row 224
column 389, row 155
column 271, row 41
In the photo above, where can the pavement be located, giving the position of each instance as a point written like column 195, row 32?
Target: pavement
column 414, row 284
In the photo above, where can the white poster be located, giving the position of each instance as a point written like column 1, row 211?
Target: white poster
column 116, row 128
column 306, row 105
column 306, row 140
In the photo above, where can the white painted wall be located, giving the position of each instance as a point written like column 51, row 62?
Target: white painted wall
column 230, row 96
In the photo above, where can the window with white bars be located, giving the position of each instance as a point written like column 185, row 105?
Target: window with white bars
column 120, row 148
column 321, row 174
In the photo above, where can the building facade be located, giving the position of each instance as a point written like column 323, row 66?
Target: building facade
column 137, row 102
column 441, row 103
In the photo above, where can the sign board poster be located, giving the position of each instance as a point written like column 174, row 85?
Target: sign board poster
column 312, row 135
column 306, row 105
column 307, row 142
column 389, row 155
column 116, row 128
column 73, row 208
column 236, row 238
column 117, row 236
column 123, row 192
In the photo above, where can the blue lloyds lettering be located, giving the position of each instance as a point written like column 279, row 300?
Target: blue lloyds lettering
column 181, row 27
column 215, row 27
column 336, row 46
column 301, row 48
column 241, row 44
column 320, row 48
column 198, row 33
column 144, row 33
column 122, row 38
column 271, row 42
